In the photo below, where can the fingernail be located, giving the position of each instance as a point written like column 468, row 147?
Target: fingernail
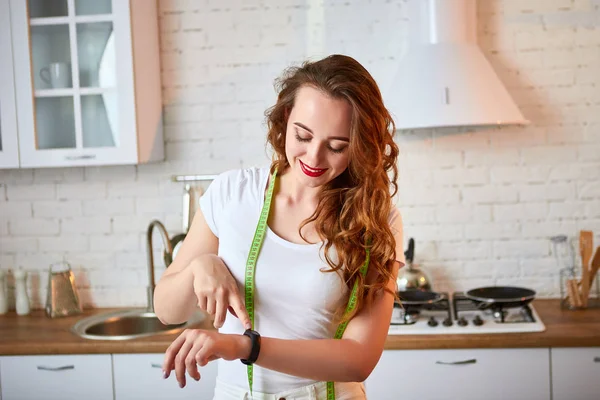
column 165, row 374
column 181, row 385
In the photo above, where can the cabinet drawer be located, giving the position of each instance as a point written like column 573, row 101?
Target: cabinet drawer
column 139, row 376
column 56, row 377
column 575, row 373
column 461, row 374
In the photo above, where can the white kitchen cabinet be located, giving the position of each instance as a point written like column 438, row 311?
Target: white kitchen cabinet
column 56, row 377
column 9, row 148
column 575, row 373
column 516, row 374
column 139, row 376
column 87, row 81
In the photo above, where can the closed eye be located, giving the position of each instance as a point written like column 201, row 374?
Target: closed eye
column 301, row 139
column 308, row 139
column 337, row 151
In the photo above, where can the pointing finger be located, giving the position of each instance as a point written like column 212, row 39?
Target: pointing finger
column 236, row 303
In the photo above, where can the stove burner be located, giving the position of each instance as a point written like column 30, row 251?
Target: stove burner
column 410, row 311
column 494, row 309
column 500, row 310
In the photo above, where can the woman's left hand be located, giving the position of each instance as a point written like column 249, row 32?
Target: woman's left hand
column 198, row 347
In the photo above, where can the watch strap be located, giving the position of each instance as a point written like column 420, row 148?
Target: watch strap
column 255, row 349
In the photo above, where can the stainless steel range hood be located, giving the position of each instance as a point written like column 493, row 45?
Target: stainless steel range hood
column 444, row 79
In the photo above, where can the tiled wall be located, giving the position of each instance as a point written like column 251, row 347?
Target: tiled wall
column 481, row 204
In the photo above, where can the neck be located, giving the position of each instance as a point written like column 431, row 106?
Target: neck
column 295, row 192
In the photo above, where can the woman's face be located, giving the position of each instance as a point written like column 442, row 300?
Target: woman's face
column 317, row 137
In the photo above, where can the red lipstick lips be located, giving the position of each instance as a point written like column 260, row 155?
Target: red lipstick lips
column 312, row 172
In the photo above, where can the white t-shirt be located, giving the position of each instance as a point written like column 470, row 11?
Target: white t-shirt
column 293, row 299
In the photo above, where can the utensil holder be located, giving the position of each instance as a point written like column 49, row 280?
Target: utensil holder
column 594, row 295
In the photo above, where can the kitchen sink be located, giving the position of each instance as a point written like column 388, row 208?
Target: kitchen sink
column 128, row 324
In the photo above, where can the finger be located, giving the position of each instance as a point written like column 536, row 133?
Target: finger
column 191, row 365
column 180, row 361
column 211, row 305
column 170, row 353
column 235, row 300
column 202, row 302
column 205, row 352
column 205, row 360
column 221, row 311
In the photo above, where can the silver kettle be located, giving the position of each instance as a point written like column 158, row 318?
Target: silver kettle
column 410, row 277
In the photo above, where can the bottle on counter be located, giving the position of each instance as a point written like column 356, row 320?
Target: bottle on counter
column 3, row 293
column 22, row 300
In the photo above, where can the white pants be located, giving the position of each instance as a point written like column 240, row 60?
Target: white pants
column 317, row 391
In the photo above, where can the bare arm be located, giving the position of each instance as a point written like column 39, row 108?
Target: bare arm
column 174, row 297
column 350, row 359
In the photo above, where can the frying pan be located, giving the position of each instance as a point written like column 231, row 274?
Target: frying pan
column 417, row 297
column 506, row 296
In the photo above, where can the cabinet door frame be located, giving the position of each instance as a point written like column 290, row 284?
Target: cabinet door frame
column 575, row 372
column 139, row 376
column 9, row 155
column 462, row 374
column 126, row 152
column 64, row 377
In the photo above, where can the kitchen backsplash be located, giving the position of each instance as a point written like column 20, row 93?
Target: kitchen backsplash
column 480, row 203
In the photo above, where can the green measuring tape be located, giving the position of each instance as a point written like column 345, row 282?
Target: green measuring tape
column 257, row 242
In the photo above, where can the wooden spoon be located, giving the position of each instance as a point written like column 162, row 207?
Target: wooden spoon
column 572, row 293
column 595, row 266
column 577, row 298
column 586, row 247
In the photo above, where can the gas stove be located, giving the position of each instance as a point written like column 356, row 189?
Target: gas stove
column 458, row 314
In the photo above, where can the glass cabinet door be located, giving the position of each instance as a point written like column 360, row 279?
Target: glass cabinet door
column 9, row 152
column 73, row 60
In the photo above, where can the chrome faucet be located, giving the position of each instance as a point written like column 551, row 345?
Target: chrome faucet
column 168, row 257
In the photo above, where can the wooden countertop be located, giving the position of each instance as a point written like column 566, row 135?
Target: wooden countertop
column 38, row 334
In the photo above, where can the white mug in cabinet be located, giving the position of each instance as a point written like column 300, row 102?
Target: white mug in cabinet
column 57, row 75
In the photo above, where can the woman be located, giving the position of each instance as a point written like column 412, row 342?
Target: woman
column 330, row 212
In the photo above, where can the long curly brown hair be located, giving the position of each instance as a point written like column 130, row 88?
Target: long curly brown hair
column 354, row 208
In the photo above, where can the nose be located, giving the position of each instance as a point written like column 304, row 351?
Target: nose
column 314, row 153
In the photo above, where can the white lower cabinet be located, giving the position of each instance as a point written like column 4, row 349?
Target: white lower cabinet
column 56, row 377
column 465, row 374
column 576, row 373
column 139, row 376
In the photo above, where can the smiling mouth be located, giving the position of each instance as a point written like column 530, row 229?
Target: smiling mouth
column 312, row 172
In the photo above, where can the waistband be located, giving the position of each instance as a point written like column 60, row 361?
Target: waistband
column 316, row 391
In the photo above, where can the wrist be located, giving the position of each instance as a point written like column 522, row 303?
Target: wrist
column 244, row 347
column 255, row 341
column 199, row 265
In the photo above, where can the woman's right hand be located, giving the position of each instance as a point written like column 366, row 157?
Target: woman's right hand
column 216, row 290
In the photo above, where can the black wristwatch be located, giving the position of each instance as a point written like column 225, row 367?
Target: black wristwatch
column 255, row 338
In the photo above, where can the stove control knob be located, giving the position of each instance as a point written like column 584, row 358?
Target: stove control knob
column 432, row 322
column 462, row 321
column 477, row 320
column 447, row 322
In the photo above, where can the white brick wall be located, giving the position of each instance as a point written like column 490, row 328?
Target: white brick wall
column 481, row 204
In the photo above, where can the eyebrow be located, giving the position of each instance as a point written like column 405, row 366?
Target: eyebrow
column 301, row 125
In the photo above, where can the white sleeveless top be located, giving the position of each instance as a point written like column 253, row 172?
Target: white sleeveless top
column 293, row 298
